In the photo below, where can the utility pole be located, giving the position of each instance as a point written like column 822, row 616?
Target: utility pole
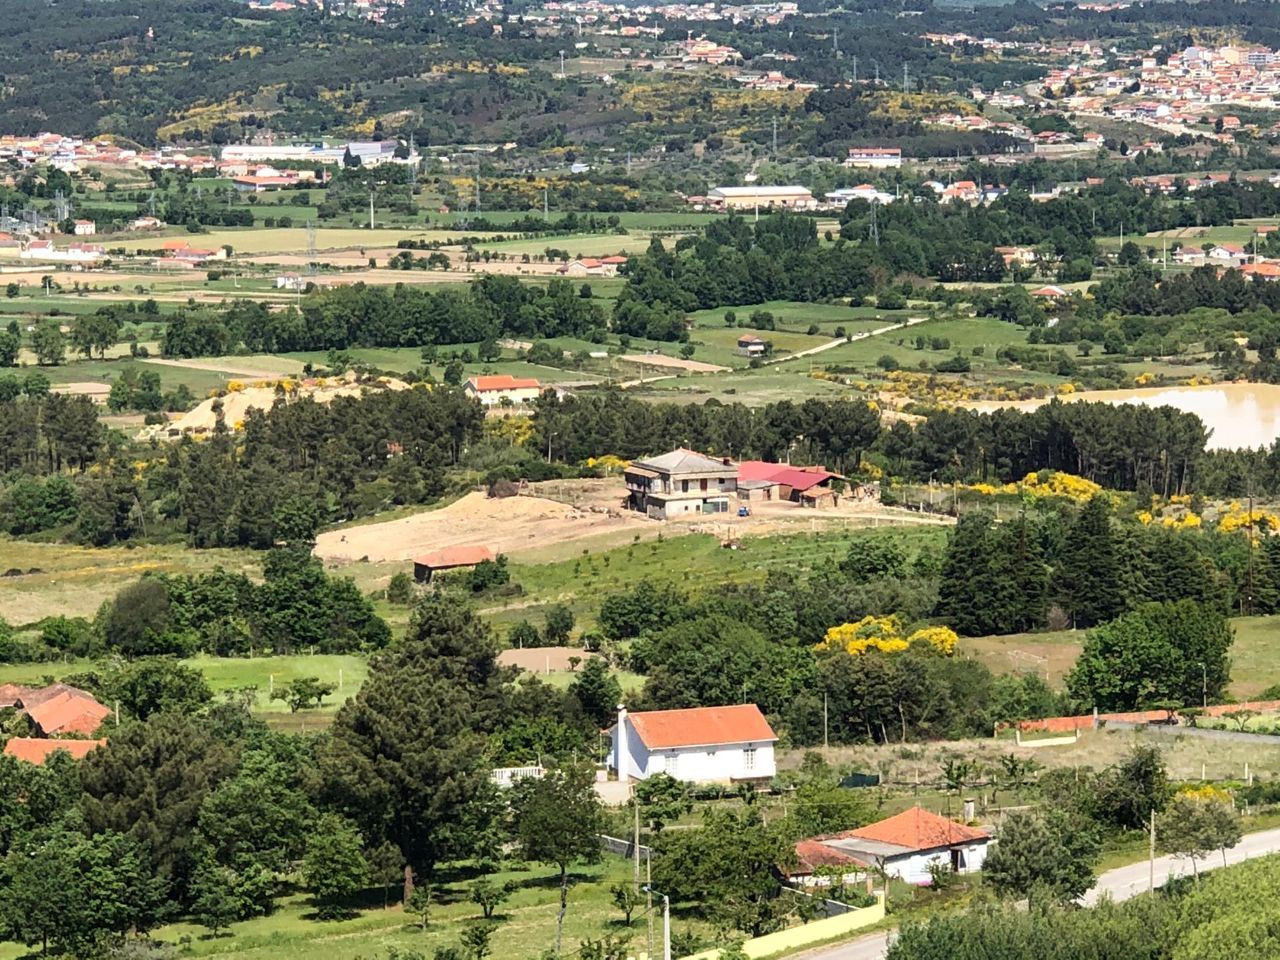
column 371, row 208
column 775, row 136
column 562, row 74
column 877, row 73
column 1151, row 854
column 635, row 801
column 855, row 68
column 906, row 79
column 544, row 203
column 826, row 742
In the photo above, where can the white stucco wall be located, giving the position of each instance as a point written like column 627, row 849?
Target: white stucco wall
column 915, row 867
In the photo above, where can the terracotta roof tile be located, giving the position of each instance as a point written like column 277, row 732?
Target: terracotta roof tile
column 459, row 556
column 503, row 381
column 702, row 726
column 37, row 750
column 918, row 829
column 68, row 712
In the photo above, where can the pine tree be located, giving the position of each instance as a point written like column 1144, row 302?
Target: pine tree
column 962, row 598
column 1088, row 581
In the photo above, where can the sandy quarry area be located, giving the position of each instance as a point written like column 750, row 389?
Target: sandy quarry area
column 509, row 525
column 237, row 404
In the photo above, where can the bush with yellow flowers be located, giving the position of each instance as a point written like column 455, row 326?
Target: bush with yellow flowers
column 1236, row 518
column 608, row 463
column 886, row 635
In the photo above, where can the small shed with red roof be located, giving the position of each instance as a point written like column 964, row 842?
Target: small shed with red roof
column 448, row 558
column 698, row 745
column 807, row 486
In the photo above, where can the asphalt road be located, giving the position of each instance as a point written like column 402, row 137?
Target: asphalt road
column 1120, row 884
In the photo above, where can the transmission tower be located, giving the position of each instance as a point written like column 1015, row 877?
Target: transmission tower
column 311, row 239
column 413, row 167
column 875, row 224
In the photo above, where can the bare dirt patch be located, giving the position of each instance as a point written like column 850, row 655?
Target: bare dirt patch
column 511, row 525
column 94, row 390
column 672, row 363
column 278, row 368
column 542, row 659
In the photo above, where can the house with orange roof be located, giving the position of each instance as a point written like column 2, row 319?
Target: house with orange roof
column 592, row 267
column 502, row 389
column 37, row 750
column 905, row 846
column 697, row 745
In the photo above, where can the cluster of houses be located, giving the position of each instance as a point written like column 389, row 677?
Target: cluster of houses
column 686, row 483
column 60, row 717
column 735, row 744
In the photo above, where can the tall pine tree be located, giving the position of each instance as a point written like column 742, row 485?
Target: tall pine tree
column 1088, row 580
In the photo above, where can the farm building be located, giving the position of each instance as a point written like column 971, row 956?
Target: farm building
column 807, row 486
column 449, row 558
column 55, row 709
column 753, row 197
column 697, row 745
column 503, row 389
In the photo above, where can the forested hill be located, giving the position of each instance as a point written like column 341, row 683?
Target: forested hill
column 209, row 69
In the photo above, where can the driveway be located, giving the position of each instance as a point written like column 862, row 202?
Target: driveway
column 840, row 342
column 1120, row 884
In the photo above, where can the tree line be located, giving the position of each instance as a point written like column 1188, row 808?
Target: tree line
column 378, row 316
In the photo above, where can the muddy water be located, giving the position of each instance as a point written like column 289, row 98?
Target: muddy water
column 1237, row 414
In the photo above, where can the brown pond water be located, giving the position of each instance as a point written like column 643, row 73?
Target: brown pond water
column 1236, row 414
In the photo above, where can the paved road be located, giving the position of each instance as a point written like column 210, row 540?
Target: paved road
column 1120, row 884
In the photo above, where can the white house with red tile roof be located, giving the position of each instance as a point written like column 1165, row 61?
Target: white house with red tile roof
column 905, row 845
column 85, row 228
column 697, row 745
column 495, row 388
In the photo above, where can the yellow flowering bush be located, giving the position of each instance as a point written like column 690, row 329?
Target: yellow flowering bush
column 885, row 634
column 1145, row 517
column 1187, row 521
column 1204, row 791
column 1065, row 389
column 608, row 463
column 1236, row 518
column 234, row 386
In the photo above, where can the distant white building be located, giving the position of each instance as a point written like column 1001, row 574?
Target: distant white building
column 874, row 158
column 84, row 228
column 697, row 745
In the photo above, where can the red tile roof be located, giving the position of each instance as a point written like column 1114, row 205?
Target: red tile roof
column 37, row 750
column 799, row 478
column 812, row 854
column 918, row 829
column 461, row 556
column 702, row 726
column 502, row 381
column 68, row 712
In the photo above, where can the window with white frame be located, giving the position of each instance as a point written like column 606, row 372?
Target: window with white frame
column 749, row 758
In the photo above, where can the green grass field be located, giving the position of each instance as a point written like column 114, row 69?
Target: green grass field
column 1254, row 664
column 526, row 928
column 963, row 335
column 798, row 317
column 751, row 387
column 290, row 239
